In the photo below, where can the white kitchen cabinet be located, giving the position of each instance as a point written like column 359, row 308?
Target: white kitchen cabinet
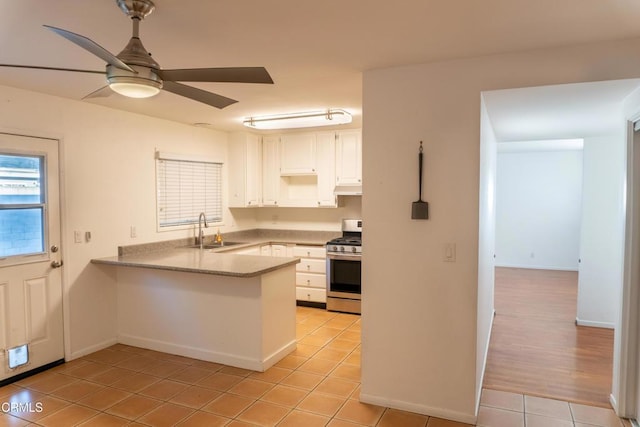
column 311, row 276
column 265, row 250
column 326, row 169
column 245, row 170
column 298, row 154
column 349, row 158
column 270, row 170
column 252, row 250
column 278, row 250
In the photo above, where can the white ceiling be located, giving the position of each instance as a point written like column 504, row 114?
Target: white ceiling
column 315, row 51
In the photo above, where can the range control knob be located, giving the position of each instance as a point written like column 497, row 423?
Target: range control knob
column 353, row 249
column 341, row 248
column 335, row 248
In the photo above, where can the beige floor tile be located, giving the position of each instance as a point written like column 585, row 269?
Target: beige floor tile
column 232, row 370
column 342, row 423
column 163, row 369
column 220, row 381
column 315, row 340
column 502, row 400
column 340, row 344
column 76, row 390
column 306, row 419
column 533, row 420
column 135, row 382
column 109, row 376
column 109, row 357
column 49, row 383
column 592, row 415
column 105, row 420
column 494, row 417
column 395, row 418
column 195, row 396
column 164, row 389
column 200, row 419
column 291, row 362
column 326, row 332
column 361, row 413
column 353, row 359
column 284, row 396
column 350, row 336
column 250, row 387
column 331, row 354
column 88, row 370
column 68, row 416
column 304, row 380
column 166, row 415
column 175, row 358
column 439, row 422
column 50, row 405
column 547, row 407
column 323, row 404
column 347, row 372
column 209, row 366
column 318, row 366
column 105, row 398
column 228, row 405
column 133, row 407
column 337, row 386
column 263, row 414
column 8, row 389
column 236, row 423
column 272, row 375
column 61, row 369
column 190, row 374
column 136, row 363
column 7, row 420
column 305, row 350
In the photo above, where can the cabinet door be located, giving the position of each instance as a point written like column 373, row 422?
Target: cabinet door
column 279, row 250
column 265, row 250
column 254, row 171
column 326, row 168
column 270, row 170
column 349, row 158
column 298, row 154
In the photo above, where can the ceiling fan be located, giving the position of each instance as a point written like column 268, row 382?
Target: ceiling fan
column 135, row 74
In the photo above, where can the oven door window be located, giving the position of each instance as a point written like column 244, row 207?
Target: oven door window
column 345, row 276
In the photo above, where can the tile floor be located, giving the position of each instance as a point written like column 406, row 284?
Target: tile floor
column 317, row 385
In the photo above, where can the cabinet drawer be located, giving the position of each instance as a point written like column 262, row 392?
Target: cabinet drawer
column 311, row 265
column 311, row 294
column 311, row 280
column 310, row 251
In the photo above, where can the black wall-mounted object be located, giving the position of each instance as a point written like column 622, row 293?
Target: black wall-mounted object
column 420, row 208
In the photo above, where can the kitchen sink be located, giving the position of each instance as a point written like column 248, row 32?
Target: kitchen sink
column 215, row 245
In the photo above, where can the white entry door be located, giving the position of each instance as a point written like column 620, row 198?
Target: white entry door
column 31, row 320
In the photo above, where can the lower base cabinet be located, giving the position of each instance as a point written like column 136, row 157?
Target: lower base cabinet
column 311, row 294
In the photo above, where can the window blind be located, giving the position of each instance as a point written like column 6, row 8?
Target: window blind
column 185, row 189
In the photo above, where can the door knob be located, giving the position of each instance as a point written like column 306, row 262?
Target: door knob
column 56, row 264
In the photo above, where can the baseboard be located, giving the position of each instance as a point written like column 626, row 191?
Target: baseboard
column 593, row 324
column 537, row 267
column 484, row 364
column 419, row 409
column 91, row 349
column 613, row 402
column 208, row 355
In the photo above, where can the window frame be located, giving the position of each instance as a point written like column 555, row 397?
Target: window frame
column 179, row 157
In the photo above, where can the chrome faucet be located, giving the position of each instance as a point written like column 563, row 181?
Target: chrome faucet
column 202, row 218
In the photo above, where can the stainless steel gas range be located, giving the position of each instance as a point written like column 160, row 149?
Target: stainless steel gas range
column 344, row 256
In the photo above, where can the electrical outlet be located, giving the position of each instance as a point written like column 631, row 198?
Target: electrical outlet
column 133, row 232
column 77, row 236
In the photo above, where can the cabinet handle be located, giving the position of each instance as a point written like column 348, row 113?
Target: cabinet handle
column 308, row 253
column 359, row 180
column 308, row 267
column 318, row 202
column 308, row 282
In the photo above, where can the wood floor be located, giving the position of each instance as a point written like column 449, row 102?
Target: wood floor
column 537, row 349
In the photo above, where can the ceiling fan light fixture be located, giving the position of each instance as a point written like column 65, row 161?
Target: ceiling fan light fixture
column 134, row 90
column 328, row 117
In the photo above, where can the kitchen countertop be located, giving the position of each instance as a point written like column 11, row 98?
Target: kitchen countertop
column 175, row 256
column 201, row 261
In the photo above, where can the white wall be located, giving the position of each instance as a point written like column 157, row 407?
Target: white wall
column 602, row 231
column 486, row 244
column 108, row 183
column 420, row 314
column 538, row 209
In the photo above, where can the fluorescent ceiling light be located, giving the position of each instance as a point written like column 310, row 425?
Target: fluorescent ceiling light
column 299, row 120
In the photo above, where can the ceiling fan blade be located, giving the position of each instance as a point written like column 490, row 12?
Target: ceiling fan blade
column 92, row 47
column 229, row 74
column 37, row 67
column 103, row 92
column 200, row 95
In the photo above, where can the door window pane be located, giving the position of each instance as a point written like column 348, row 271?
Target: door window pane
column 22, row 206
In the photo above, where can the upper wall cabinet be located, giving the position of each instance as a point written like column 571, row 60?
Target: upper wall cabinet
column 326, row 168
column 298, row 154
column 270, row 170
column 245, row 170
column 349, row 158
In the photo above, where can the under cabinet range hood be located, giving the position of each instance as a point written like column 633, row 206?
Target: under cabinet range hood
column 348, row 190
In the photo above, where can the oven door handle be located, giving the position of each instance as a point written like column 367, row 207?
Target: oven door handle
column 344, row 257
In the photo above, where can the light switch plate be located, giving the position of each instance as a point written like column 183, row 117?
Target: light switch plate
column 449, row 254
